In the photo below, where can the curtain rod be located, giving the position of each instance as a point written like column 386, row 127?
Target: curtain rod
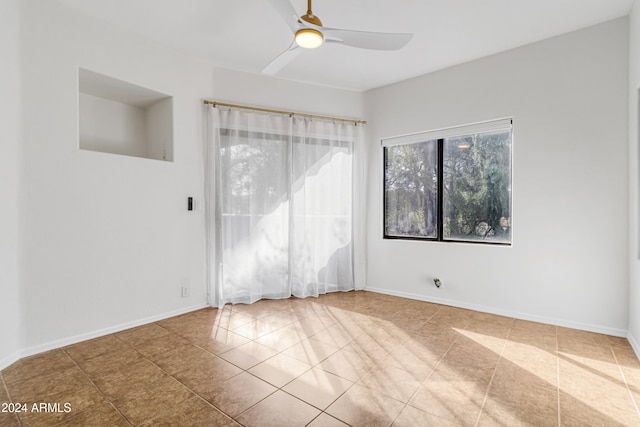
column 288, row 113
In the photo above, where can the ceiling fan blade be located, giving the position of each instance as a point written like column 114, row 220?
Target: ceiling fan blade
column 286, row 12
column 281, row 60
column 367, row 40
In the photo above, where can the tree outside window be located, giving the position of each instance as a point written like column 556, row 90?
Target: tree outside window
column 451, row 188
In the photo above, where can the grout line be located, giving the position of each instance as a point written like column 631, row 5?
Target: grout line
column 493, row 374
column 6, row 389
column 243, row 370
column 367, row 333
column 176, row 379
column 624, row 378
column 97, row 388
column 433, row 369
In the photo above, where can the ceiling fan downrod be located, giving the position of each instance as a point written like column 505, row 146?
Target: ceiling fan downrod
column 310, row 17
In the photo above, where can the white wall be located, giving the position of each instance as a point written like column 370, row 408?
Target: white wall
column 634, row 176
column 262, row 91
column 120, row 128
column 108, row 241
column 10, row 316
column 160, row 129
column 111, row 127
column 568, row 262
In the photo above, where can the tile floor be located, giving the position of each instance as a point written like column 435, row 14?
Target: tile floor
column 357, row 358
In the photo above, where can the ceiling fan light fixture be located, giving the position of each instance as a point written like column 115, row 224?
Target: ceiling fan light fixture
column 309, row 38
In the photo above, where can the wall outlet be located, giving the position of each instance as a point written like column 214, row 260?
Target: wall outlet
column 185, row 291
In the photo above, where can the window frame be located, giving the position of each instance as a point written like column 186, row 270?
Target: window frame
column 440, row 135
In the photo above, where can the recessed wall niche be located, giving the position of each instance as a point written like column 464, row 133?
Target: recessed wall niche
column 122, row 118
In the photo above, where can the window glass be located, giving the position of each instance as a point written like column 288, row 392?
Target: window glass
column 450, row 185
column 477, row 187
column 411, row 190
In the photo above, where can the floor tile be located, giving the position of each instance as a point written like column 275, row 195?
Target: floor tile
column 526, row 348
column 282, row 338
column 79, row 400
column 568, row 335
column 145, row 404
column 142, row 333
column 537, row 327
column 279, row 410
column 368, row 347
column 322, row 315
column 470, row 352
column 256, row 328
column 455, row 370
column 205, row 376
column 577, row 411
column 541, row 364
column 437, row 340
column 109, row 362
column 192, row 412
column 95, row 347
column 279, row 369
column 136, row 376
column 8, row 419
column 524, row 393
column 216, row 340
column 229, row 319
column 324, row 420
column 626, row 357
column 533, row 337
column 35, row 366
column 178, row 359
column 311, row 351
column 354, row 358
column 248, row 355
column 309, row 326
column 239, row 393
column 611, row 400
column 257, row 310
column 156, row 347
column 361, row 406
column 43, row 387
column 410, row 358
column 282, row 318
column 100, row 414
column 394, row 382
column 457, row 400
column 333, row 335
column 411, row 417
column 347, row 364
column 498, row 414
column 318, row 387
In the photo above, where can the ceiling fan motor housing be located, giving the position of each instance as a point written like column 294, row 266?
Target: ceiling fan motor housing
column 311, row 18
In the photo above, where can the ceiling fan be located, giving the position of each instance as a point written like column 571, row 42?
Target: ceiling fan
column 309, row 33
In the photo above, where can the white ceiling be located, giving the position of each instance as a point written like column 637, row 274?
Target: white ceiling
column 246, row 35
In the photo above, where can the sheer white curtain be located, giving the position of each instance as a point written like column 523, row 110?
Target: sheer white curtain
column 285, row 206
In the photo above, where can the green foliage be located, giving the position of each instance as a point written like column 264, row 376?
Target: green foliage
column 476, row 188
column 411, row 189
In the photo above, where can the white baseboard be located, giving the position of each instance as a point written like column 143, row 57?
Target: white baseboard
column 10, row 359
column 518, row 315
column 52, row 345
column 634, row 344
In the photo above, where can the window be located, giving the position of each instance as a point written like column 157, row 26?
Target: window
column 450, row 185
